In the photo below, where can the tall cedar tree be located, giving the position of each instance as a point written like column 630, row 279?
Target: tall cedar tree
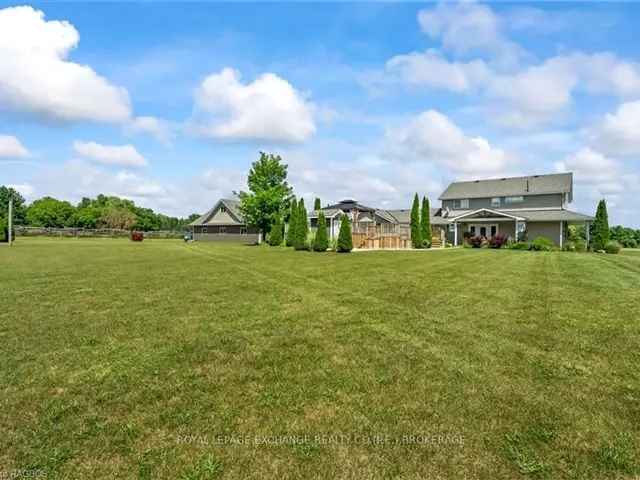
column 425, row 223
column 275, row 235
column 416, row 239
column 345, row 242
column 302, row 227
column 268, row 194
column 601, row 226
column 321, row 241
column 292, row 226
column 316, row 204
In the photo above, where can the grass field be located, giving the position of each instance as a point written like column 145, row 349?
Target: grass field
column 170, row 360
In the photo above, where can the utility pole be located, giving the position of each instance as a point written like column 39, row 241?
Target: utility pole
column 10, row 221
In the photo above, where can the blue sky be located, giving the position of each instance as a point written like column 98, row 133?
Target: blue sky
column 169, row 103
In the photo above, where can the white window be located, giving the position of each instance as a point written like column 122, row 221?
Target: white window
column 513, row 199
column 452, row 227
column 495, row 202
column 222, row 208
column 223, row 229
column 462, row 203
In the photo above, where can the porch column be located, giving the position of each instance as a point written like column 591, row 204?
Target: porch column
column 455, row 234
column 561, row 233
column 515, row 232
column 586, row 231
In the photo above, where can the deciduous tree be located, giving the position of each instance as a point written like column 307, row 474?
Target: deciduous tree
column 268, row 193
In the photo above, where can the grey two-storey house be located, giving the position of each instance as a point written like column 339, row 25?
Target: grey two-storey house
column 518, row 207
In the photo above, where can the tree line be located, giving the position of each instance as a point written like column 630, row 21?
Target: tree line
column 90, row 213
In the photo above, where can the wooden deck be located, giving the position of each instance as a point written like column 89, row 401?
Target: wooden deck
column 380, row 237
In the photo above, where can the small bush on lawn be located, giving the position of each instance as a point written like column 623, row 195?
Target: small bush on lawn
column 275, row 235
column 519, row 246
column 498, row 240
column 137, row 236
column 476, row 242
column 612, row 247
column 542, row 244
column 4, row 230
column 345, row 242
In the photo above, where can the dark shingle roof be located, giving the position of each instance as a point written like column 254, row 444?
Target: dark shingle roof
column 233, row 207
column 500, row 187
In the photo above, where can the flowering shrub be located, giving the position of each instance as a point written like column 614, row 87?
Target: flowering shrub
column 498, row 240
column 137, row 236
column 476, row 242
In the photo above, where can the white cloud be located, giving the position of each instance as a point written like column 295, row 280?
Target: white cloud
column 37, row 78
column 25, row 189
column 515, row 90
column 10, row 147
column 268, row 108
column 432, row 70
column 619, row 133
column 469, row 27
column 432, row 137
column 158, row 128
column 123, row 155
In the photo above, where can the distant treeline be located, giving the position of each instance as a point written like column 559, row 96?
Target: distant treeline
column 100, row 212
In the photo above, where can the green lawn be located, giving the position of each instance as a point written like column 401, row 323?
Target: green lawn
column 170, row 360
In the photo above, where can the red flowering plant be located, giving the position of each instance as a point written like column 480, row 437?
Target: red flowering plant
column 498, row 240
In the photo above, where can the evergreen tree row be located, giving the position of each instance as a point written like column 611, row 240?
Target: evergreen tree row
column 420, row 223
column 297, row 234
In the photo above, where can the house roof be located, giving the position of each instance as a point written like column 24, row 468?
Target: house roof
column 327, row 212
column 404, row 215
column 349, row 204
column 535, row 215
column 513, row 186
column 233, row 207
column 551, row 215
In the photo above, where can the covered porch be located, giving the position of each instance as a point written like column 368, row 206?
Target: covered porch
column 520, row 225
column 485, row 223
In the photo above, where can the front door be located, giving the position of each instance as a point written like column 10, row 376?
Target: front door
column 483, row 230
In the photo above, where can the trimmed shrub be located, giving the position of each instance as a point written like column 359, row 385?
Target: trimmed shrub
column 321, row 240
column 542, row 244
column 498, row 240
column 275, row 235
column 425, row 224
column 416, row 237
column 519, row 246
column 600, row 226
column 292, row 227
column 4, row 230
column 612, row 247
column 345, row 242
column 137, row 236
column 302, row 228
